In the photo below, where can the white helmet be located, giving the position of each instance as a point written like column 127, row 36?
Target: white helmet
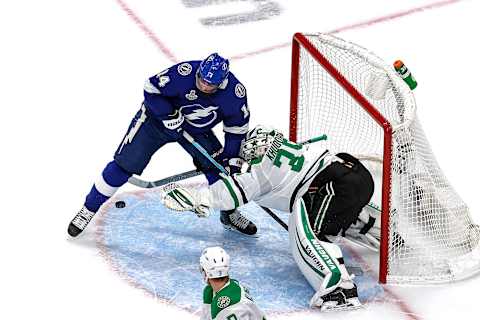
column 257, row 142
column 214, row 263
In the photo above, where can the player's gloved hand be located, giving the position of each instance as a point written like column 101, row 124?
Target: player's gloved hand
column 178, row 198
column 173, row 125
column 232, row 165
column 235, row 165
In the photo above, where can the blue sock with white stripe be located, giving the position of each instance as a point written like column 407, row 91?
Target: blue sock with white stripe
column 112, row 178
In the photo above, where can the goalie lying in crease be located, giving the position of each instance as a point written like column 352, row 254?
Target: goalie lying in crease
column 325, row 196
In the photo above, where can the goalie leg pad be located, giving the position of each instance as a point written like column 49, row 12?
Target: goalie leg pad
column 320, row 262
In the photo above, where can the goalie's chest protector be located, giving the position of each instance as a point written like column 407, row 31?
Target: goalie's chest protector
column 284, row 174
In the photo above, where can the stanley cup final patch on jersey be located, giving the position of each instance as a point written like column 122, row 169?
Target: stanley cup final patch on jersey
column 240, row 90
column 223, row 302
column 184, row 69
column 192, row 95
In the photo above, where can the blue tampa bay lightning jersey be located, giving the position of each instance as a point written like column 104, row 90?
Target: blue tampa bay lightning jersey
column 173, row 91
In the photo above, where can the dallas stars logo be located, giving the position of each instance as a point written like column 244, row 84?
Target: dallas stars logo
column 223, row 302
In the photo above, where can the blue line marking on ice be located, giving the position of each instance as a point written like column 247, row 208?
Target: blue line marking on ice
column 159, row 249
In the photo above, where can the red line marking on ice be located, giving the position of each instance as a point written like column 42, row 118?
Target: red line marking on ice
column 358, row 25
column 168, row 53
column 115, row 267
column 104, row 252
column 396, row 15
column 148, row 32
column 394, row 298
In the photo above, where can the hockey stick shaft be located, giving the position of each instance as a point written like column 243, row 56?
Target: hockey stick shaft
column 137, row 181
column 204, row 152
column 275, row 217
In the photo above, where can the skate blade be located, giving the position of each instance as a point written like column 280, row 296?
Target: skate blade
column 352, row 304
column 229, row 228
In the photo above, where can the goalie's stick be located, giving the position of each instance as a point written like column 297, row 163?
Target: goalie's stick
column 275, row 217
column 139, row 182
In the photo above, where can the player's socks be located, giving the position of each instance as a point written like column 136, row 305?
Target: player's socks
column 112, row 178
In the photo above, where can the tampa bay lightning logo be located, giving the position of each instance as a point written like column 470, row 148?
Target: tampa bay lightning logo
column 198, row 115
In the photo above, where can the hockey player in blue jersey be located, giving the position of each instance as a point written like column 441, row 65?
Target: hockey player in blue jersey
column 193, row 96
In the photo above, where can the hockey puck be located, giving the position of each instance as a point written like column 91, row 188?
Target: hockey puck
column 120, row 204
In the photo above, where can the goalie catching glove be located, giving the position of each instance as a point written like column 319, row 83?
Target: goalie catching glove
column 178, row 198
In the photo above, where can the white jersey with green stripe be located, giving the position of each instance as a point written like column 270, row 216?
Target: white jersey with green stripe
column 232, row 302
column 275, row 180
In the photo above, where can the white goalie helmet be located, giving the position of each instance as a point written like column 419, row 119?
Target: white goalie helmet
column 214, row 263
column 257, row 142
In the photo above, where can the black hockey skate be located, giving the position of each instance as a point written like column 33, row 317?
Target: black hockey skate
column 339, row 299
column 80, row 222
column 234, row 220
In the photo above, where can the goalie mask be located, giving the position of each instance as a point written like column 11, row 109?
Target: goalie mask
column 257, row 142
column 214, row 263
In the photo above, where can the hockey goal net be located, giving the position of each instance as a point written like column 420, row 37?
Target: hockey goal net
column 365, row 108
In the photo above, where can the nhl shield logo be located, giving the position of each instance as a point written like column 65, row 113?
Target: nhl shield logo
column 191, row 96
column 184, row 69
column 223, row 302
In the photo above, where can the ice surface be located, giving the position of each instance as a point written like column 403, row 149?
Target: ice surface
column 158, row 250
column 72, row 74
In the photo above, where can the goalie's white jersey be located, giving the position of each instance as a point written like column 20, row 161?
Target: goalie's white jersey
column 275, row 181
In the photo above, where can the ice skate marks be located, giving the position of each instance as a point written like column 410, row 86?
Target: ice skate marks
column 158, row 250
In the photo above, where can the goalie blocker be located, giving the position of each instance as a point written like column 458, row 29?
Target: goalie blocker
column 340, row 187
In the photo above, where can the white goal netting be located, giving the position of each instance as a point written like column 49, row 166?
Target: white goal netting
column 431, row 237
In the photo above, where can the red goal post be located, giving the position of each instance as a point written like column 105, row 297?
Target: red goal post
column 300, row 39
column 345, row 91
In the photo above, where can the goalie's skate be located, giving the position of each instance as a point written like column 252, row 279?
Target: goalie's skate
column 80, row 222
column 234, row 220
column 359, row 233
column 363, row 240
column 340, row 299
